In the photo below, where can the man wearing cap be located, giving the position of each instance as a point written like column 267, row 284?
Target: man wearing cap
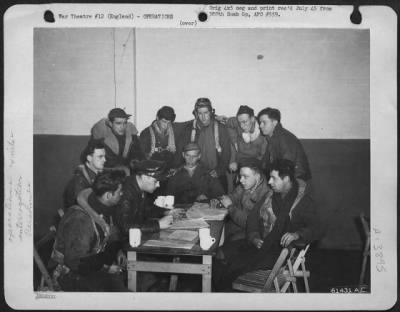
column 120, row 139
column 158, row 140
column 193, row 182
column 92, row 163
column 253, row 188
column 212, row 138
column 282, row 144
column 87, row 242
column 133, row 210
column 245, row 136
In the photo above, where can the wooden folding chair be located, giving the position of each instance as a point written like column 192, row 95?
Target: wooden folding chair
column 46, row 282
column 297, row 268
column 366, row 252
column 283, row 274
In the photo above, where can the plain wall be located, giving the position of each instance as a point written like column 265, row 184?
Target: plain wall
column 318, row 78
column 80, row 74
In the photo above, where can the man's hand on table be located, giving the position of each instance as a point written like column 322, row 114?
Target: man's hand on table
column 165, row 222
column 216, row 203
column 226, row 201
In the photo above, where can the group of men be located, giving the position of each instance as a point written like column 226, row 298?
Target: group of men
column 269, row 206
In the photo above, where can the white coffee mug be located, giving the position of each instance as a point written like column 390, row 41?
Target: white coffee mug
column 135, row 237
column 206, row 242
column 169, row 201
column 204, row 232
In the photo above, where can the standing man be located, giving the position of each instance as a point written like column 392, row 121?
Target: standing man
column 120, row 138
column 212, row 138
column 92, row 163
column 158, row 140
column 133, row 210
column 87, row 242
column 245, row 136
column 282, row 144
column 193, row 182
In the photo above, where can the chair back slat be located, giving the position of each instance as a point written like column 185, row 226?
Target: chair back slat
column 299, row 258
column 275, row 270
column 367, row 244
column 365, row 225
column 43, row 270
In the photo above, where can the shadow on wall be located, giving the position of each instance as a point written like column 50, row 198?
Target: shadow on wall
column 341, row 183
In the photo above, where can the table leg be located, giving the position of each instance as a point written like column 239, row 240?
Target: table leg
column 206, row 276
column 174, row 277
column 132, row 274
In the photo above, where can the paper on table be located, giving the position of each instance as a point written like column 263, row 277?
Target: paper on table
column 206, row 213
column 183, row 235
column 189, row 224
column 200, row 205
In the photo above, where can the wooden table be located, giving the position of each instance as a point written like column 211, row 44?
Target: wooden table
column 205, row 268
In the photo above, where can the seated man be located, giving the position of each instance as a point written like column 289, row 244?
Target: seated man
column 87, row 243
column 276, row 222
column 253, row 187
column 212, row 138
column 245, row 136
column 92, row 163
column 158, row 140
column 193, row 182
column 120, row 139
column 282, row 144
column 133, row 210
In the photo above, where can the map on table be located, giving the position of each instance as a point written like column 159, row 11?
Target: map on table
column 184, row 235
column 177, row 239
column 204, row 211
column 189, row 224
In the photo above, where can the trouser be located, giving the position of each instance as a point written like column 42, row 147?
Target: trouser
column 236, row 258
column 241, row 257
